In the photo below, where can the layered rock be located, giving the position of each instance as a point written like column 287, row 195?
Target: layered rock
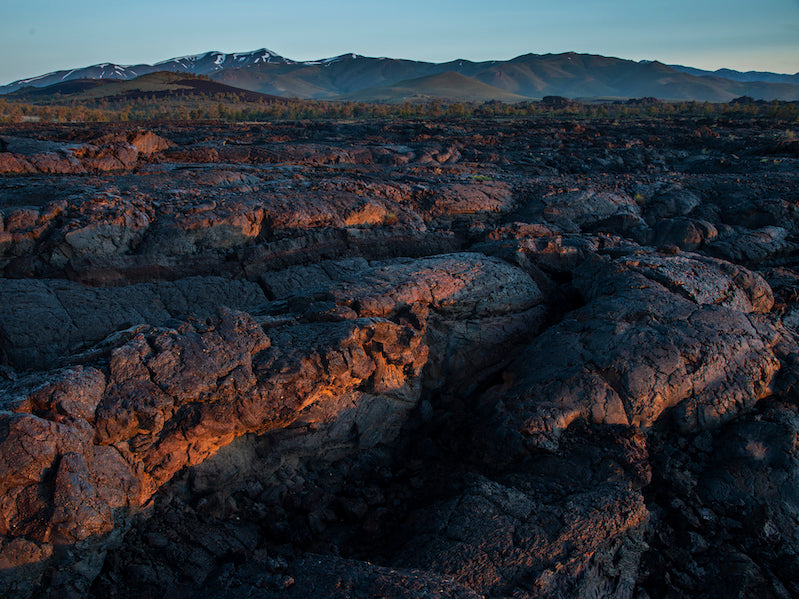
column 48, row 319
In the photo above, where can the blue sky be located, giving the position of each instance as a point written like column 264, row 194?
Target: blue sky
column 38, row 36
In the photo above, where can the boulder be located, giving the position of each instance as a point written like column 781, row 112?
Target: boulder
column 685, row 233
column 674, row 201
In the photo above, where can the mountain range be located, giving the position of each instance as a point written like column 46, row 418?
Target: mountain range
column 531, row 76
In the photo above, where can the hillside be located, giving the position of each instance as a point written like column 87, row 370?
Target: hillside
column 530, row 76
column 328, row 78
column 154, row 85
column 446, row 86
column 745, row 76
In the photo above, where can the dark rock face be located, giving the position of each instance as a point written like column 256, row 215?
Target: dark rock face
column 484, row 359
column 47, row 319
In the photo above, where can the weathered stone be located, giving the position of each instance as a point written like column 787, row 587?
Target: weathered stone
column 390, row 414
column 687, row 234
column 459, row 200
column 753, row 246
column 671, row 202
column 48, row 318
column 115, row 225
column 637, row 350
column 544, row 529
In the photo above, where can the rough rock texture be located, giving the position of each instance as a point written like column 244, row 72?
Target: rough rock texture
column 328, row 576
column 638, row 349
column 107, row 153
column 48, row 319
column 412, row 359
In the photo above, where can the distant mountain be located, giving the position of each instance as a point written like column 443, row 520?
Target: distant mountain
column 531, row 76
column 327, row 78
column 385, row 79
column 198, row 64
column 746, row 77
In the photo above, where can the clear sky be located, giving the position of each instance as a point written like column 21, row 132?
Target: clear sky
column 39, row 36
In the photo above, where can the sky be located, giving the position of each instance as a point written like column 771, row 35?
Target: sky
column 40, row 36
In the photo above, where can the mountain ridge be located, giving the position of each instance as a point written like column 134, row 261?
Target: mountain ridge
column 742, row 76
column 204, row 63
column 528, row 76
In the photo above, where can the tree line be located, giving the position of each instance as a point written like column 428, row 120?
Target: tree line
column 230, row 107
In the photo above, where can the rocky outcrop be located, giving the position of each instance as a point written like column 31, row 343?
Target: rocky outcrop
column 753, row 246
column 160, row 399
column 167, row 399
column 583, row 208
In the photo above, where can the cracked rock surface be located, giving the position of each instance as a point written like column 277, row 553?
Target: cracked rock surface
column 399, row 359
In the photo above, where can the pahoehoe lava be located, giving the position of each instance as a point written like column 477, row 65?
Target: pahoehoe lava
column 457, row 358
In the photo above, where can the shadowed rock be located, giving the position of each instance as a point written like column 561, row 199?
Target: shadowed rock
column 49, row 319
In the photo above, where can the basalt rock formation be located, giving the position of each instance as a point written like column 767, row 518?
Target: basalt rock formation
column 418, row 359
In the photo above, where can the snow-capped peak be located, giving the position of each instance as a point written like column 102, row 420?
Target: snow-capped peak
column 208, row 62
column 205, row 63
column 339, row 58
column 188, row 58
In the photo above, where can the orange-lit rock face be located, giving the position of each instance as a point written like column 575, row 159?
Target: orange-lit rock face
column 168, row 398
column 171, row 399
column 476, row 359
column 112, row 153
